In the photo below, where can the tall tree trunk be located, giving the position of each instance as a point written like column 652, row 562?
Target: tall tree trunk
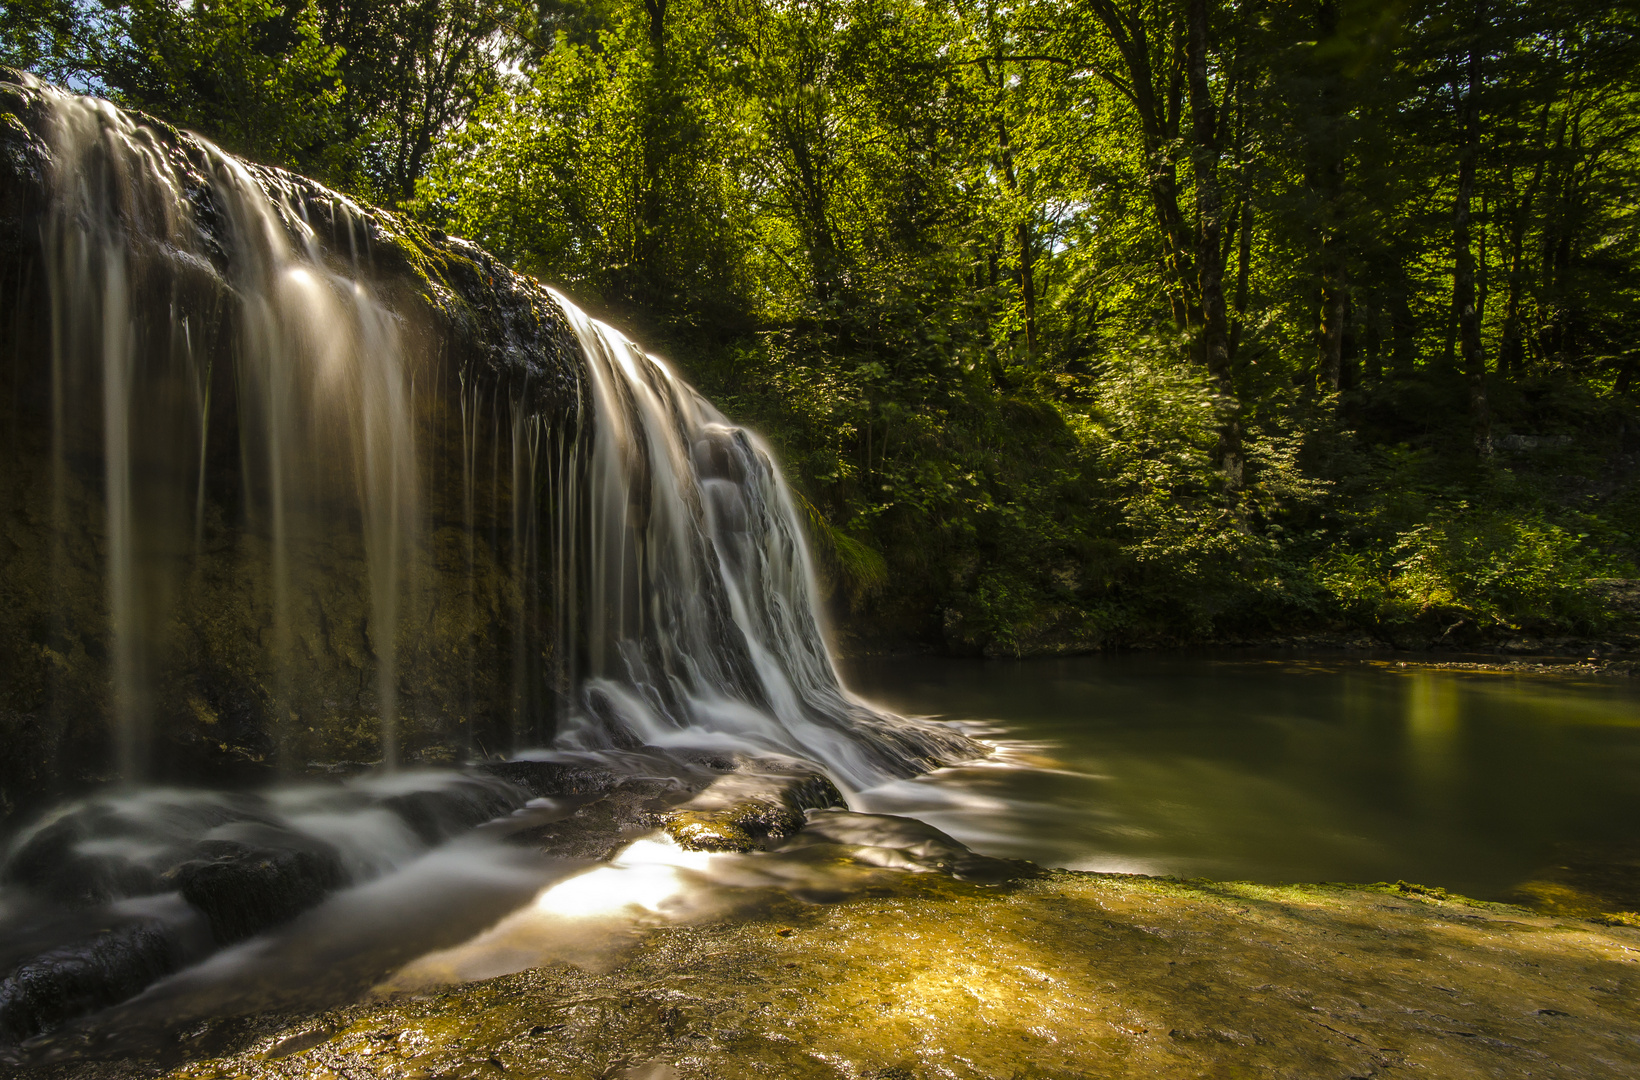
column 1027, row 282
column 1327, row 180
column 1512, row 347
column 1150, row 79
column 1372, row 370
column 1403, row 331
column 1024, row 233
column 1205, row 153
column 1244, row 262
column 1244, row 219
column 1329, row 331
column 1465, row 308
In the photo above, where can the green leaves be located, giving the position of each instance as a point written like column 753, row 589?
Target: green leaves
column 957, row 261
column 256, row 75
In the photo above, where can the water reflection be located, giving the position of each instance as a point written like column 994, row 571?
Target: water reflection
column 1433, row 731
column 1294, row 770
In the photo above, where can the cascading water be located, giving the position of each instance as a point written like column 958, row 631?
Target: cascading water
column 143, row 309
column 694, row 590
column 244, row 366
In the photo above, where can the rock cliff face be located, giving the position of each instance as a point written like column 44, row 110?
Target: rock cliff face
column 262, row 636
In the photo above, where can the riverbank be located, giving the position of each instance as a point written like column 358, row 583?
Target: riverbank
column 1067, row 975
column 1615, row 654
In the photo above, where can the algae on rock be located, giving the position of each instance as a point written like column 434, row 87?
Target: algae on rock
column 1067, row 976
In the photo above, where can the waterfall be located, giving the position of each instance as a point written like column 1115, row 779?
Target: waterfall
column 695, row 591
column 318, row 370
column 347, row 494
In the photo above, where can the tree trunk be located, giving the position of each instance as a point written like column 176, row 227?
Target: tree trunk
column 1372, row 370
column 1152, row 79
column 1403, row 331
column 1024, row 234
column 1244, row 262
column 1205, row 153
column 1465, row 309
column 1327, row 180
column 1329, row 333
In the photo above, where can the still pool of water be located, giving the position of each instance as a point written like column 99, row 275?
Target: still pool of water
column 1288, row 770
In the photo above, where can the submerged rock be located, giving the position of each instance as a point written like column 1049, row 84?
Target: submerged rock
column 549, row 779
column 633, row 807
column 78, row 977
column 437, row 813
column 901, row 843
column 222, row 866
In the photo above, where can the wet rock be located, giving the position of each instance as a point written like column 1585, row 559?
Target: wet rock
column 714, row 760
column 243, row 888
column 636, row 805
column 1070, row 975
column 97, row 852
column 554, row 779
column 50, row 864
column 719, row 455
column 902, row 843
column 747, row 811
column 82, row 976
column 918, row 746
column 435, row 814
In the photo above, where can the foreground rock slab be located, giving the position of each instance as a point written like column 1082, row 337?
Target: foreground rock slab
column 1068, row 975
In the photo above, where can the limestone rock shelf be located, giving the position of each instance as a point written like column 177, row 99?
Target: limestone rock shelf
column 1066, row 975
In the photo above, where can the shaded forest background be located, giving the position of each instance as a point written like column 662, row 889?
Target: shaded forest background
column 1075, row 324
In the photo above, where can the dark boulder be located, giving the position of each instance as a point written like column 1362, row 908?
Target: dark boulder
column 633, row 807
column 104, row 850
column 80, row 977
column 554, row 779
column 902, row 843
column 745, row 811
column 244, row 888
column 52, row 864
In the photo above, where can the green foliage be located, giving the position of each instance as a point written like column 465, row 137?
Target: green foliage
column 256, row 74
column 1491, row 569
column 1073, row 324
column 44, row 36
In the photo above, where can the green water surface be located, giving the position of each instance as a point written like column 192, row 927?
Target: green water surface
column 1285, row 770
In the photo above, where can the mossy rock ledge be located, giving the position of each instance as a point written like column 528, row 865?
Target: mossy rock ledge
column 1063, row 975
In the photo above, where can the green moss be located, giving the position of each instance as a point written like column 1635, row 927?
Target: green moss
column 1068, row 976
